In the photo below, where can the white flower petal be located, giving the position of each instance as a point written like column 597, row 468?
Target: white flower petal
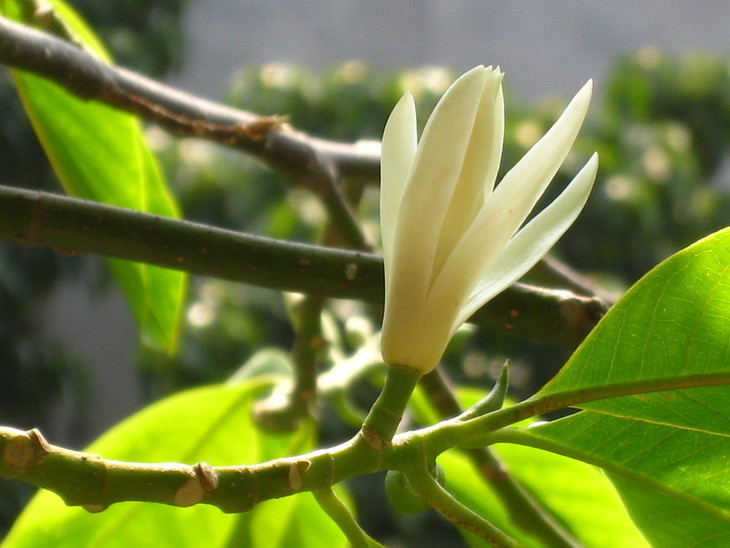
column 423, row 204
column 431, row 182
column 490, row 175
column 450, row 242
column 508, row 206
column 397, row 153
column 531, row 243
column 479, row 168
column 516, row 195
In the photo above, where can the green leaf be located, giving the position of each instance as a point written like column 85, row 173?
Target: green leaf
column 675, row 482
column 100, row 153
column 666, row 451
column 211, row 424
column 671, row 328
column 294, row 521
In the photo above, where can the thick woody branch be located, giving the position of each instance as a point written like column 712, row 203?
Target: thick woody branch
column 69, row 225
column 83, row 479
column 315, row 163
column 90, row 481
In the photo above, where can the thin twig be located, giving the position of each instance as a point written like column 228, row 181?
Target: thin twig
column 340, row 514
column 458, row 514
column 551, row 271
column 284, row 410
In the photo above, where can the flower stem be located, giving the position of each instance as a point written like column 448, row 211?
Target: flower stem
column 340, row 514
column 386, row 413
column 443, row 502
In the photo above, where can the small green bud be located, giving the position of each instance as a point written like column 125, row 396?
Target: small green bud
column 401, row 495
column 492, row 401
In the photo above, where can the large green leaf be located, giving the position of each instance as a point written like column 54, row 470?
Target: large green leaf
column 99, row 153
column 667, row 451
column 672, row 326
column 211, row 424
column 675, row 482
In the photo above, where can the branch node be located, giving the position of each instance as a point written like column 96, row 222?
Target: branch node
column 25, row 450
column 202, row 481
column 259, row 128
column 296, row 473
column 94, row 508
column 41, row 445
column 207, row 475
column 372, row 437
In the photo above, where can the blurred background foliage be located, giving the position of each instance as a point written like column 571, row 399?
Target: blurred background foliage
column 661, row 126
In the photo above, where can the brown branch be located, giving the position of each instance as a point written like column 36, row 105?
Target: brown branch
column 268, row 138
column 312, row 163
column 565, row 320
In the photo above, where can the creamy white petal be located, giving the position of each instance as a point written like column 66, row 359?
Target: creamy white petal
column 423, row 203
column 397, row 153
column 431, row 183
column 510, row 203
column 516, row 195
column 479, row 168
column 450, row 243
column 532, row 242
column 416, row 341
column 490, row 176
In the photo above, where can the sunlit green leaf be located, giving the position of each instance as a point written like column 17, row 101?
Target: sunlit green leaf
column 673, row 324
column 211, row 424
column 668, row 451
column 100, row 153
column 675, row 482
column 670, row 520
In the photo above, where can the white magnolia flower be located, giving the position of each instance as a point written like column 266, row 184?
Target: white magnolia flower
column 451, row 241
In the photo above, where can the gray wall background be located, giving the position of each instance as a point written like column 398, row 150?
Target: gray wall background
column 545, row 47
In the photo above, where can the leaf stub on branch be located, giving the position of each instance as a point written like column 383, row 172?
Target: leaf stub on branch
column 25, row 450
column 203, row 481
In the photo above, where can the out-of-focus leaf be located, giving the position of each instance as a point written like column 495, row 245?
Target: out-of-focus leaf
column 577, row 495
column 100, row 153
column 295, row 521
column 211, row 424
